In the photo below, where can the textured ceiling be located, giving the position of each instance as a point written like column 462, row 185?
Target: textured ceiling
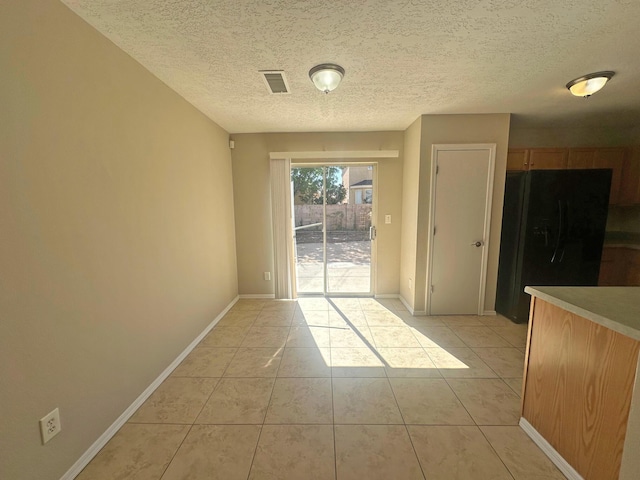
column 402, row 58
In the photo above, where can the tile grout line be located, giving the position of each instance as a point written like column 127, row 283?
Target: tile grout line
column 454, row 392
column 471, row 416
column 406, row 428
column 202, row 408
column 333, row 411
column 265, row 413
column 176, row 452
column 285, row 347
column 495, row 451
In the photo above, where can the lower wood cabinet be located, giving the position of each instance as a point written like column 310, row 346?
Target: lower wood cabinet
column 578, row 389
column 619, row 267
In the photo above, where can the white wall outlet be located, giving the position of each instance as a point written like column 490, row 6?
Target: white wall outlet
column 50, row 426
column 410, row 284
column 267, row 276
column 387, row 219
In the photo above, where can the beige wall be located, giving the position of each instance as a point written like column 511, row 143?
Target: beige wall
column 439, row 129
column 117, row 235
column 253, row 208
column 410, row 189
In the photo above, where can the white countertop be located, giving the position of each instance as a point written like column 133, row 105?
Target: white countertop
column 617, row 308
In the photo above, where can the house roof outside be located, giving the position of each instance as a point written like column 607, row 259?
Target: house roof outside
column 362, row 183
column 402, row 59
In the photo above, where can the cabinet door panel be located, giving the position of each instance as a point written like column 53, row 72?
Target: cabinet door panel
column 573, row 367
column 581, row 158
column 517, row 159
column 548, row 159
column 630, row 183
column 612, row 158
column 633, row 268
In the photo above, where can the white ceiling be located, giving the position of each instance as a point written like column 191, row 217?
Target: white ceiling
column 402, row 58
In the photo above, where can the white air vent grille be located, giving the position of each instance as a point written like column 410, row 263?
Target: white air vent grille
column 276, row 81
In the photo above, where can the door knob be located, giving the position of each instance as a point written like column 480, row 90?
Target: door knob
column 477, row 244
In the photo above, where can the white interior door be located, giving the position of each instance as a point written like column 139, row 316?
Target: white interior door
column 460, row 216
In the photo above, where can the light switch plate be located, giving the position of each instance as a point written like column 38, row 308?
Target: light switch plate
column 387, row 219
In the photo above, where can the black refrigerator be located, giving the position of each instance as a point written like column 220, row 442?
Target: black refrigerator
column 553, row 228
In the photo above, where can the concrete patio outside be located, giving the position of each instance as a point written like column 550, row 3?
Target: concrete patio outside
column 348, row 267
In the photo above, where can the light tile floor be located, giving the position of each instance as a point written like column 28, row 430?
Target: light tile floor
column 341, row 388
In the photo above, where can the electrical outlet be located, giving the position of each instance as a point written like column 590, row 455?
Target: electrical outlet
column 267, row 276
column 50, row 426
column 410, row 284
column 387, row 219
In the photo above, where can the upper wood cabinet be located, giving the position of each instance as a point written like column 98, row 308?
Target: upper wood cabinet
column 625, row 180
column 630, row 183
column 548, row 159
column 612, row 158
column 580, row 158
column 517, row 159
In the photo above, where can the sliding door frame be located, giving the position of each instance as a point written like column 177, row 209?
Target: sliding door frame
column 324, row 163
column 342, row 156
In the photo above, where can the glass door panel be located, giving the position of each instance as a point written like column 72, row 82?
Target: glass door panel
column 308, row 233
column 348, row 224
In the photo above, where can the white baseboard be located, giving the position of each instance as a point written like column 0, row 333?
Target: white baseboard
column 257, row 295
column 387, row 295
column 415, row 313
column 93, row 450
column 406, row 304
column 549, row 451
column 489, row 312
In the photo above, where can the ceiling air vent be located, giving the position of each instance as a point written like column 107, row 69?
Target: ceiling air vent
column 276, row 81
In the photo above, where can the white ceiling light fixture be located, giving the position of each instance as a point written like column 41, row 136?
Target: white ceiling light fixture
column 327, row 76
column 587, row 85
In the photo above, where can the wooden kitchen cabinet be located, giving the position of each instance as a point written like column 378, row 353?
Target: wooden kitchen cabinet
column 630, row 182
column 548, row 158
column 611, row 272
column 619, row 267
column 581, row 158
column 517, row 159
column 624, row 163
column 633, row 268
column 581, row 385
column 612, row 158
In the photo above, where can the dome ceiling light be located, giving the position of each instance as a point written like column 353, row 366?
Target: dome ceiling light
column 326, row 77
column 589, row 84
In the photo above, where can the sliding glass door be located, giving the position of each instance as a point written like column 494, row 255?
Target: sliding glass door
column 333, row 228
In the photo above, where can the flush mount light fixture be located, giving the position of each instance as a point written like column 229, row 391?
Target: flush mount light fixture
column 589, row 84
column 326, row 77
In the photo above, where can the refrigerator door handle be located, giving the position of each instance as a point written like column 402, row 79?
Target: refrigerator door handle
column 565, row 230
column 560, row 223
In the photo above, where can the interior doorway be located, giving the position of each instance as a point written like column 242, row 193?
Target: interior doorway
column 333, row 228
